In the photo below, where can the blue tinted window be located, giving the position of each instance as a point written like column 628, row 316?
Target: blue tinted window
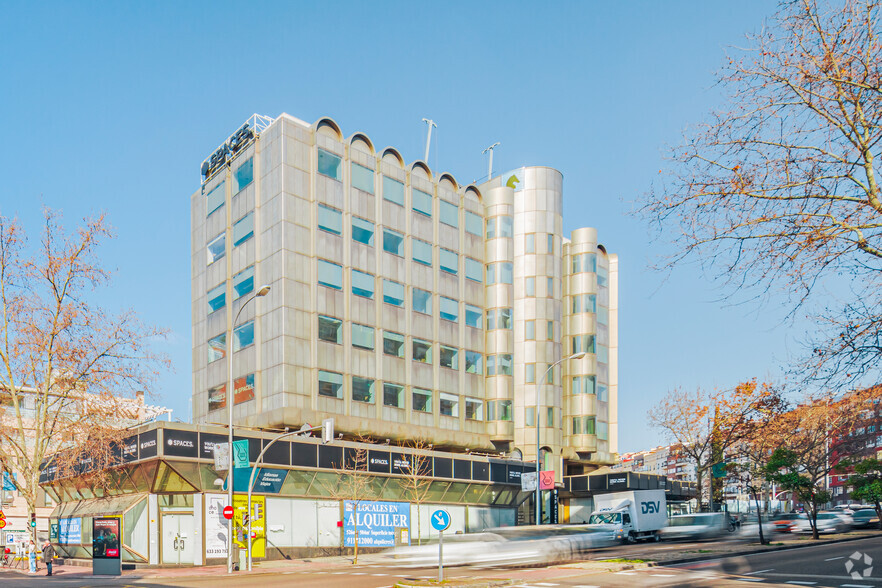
column 362, row 178
column 583, row 343
column 393, row 242
column 330, row 219
column 603, row 315
column 422, row 251
column 362, row 389
column 330, row 384
column 491, row 228
column 473, row 316
column 362, row 284
column 362, row 231
column 243, row 282
column 449, row 309
column 602, row 276
column 586, row 262
column 474, row 270
column 449, row 213
column 330, row 329
column 422, row 301
column 393, row 191
column 330, row 274
column 473, row 224
column 448, row 357
column 362, row 336
column 422, row 202
column 499, row 273
column 217, row 347
column 216, row 198
column 422, row 400
column 393, row 395
column 449, row 261
column 393, row 293
column 329, row 164
column 243, row 229
column 505, row 226
column 217, row 248
column 503, row 364
column 244, row 174
column 217, row 298
column 422, row 351
column 474, row 363
column 243, row 336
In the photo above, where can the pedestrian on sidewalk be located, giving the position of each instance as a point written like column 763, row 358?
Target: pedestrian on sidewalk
column 48, row 555
column 32, row 557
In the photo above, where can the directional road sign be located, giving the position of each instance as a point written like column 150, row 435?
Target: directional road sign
column 440, row 520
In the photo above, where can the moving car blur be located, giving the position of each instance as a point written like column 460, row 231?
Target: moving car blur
column 505, row 546
column 828, row 522
column 784, row 521
column 864, row 518
column 698, row 526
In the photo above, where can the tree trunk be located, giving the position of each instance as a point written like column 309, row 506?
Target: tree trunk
column 355, row 512
column 698, row 481
column 813, row 518
column 759, row 518
column 419, row 527
column 879, row 513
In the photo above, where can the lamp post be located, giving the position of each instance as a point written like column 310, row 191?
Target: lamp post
column 230, row 397
column 536, row 417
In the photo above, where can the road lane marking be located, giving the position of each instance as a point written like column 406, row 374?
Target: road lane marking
column 759, row 572
column 855, row 586
column 751, row 579
column 545, row 584
column 379, row 574
column 834, row 558
column 801, row 583
column 663, row 575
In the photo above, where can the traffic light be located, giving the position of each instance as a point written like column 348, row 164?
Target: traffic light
column 33, row 520
column 327, row 430
column 258, row 511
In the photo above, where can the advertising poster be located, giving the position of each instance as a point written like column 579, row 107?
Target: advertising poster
column 70, row 531
column 258, row 523
column 105, row 537
column 216, row 526
column 376, row 522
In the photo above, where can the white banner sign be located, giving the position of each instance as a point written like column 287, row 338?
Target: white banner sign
column 529, row 481
column 222, row 457
column 216, row 526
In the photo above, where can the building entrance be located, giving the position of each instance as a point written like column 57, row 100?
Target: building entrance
column 177, row 539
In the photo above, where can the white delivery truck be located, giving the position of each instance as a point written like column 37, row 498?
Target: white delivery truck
column 630, row 516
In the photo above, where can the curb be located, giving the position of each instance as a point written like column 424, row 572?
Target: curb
column 458, row 583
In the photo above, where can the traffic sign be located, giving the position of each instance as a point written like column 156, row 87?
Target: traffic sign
column 440, row 520
column 546, row 480
column 228, row 512
column 240, row 453
column 2, row 523
column 529, row 481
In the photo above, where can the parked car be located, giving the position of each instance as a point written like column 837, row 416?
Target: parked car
column 705, row 525
column 828, row 522
column 866, row 517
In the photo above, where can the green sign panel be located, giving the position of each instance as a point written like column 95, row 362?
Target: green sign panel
column 240, row 453
column 719, row 470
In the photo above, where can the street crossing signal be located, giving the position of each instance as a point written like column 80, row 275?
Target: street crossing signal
column 33, row 520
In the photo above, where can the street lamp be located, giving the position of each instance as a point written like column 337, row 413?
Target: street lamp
column 579, row 355
column 264, row 290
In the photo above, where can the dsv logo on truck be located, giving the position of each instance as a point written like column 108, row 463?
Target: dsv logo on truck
column 649, row 507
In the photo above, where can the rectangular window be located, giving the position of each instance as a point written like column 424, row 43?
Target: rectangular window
column 491, row 228
column 243, row 282
column 217, row 397
column 448, row 405
column 329, row 165
column 362, row 178
column 583, row 384
column 549, row 417
column 602, row 354
column 393, row 242
column 474, row 363
column 243, row 229
column 577, row 425
column 393, row 191
column 603, row 315
column 422, row 400
column 422, row 301
column 362, row 284
column 499, row 273
column 362, row 336
column 590, row 422
column 586, row 262
column 549, row 287
column 244, row 174
column 503, row 318
column 503, row 364
column 362, row 389
column 330, row 275
column 530, row 330
column 243, row 336
column 330, row 384
column 530, row 286
column 422, row 202
column 530, row 243
column 362, row 231
column 584, row 303
column 583, row 343
column 530, row 373
column 330, row 329
column 448, row 260
column 422, row 351
column 602, row 277
column 449, row 309
column 449, row 213
column 473, row 224
column 393, row 395
column 472, row 316
column 217, row 347
column 330, row 219
column 217, row 248
column 505, row 226
column 422, row 251
column 474, row 270
column 549, row 330
column 393, row 344
column 393, row 293
column 449, row 357
column 217, row 298
column 491, row 365
column 549, row 246
column 503, row 410
column 474, row 409
column 216, row 198
column 530, row 416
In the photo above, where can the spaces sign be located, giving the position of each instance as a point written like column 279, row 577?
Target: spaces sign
column 375, row 522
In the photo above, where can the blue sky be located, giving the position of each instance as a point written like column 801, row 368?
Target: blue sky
column 112, row 106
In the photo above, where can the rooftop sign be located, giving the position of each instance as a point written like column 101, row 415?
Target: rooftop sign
column 234, row 144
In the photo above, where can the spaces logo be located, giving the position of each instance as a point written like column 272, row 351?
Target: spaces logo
column 855, row 562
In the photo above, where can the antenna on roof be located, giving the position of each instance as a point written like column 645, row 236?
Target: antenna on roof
column 490, row 164
column 431, row 124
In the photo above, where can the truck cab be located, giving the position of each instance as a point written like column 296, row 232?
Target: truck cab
column 630, row 516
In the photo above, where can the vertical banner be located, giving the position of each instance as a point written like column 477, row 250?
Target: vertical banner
column 217, row 528
column 106, row 537
column 258, row 523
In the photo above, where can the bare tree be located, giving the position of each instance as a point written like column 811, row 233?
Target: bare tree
column 417, row 482
column 64, row 364
column 779, row 190
column 352, row 483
